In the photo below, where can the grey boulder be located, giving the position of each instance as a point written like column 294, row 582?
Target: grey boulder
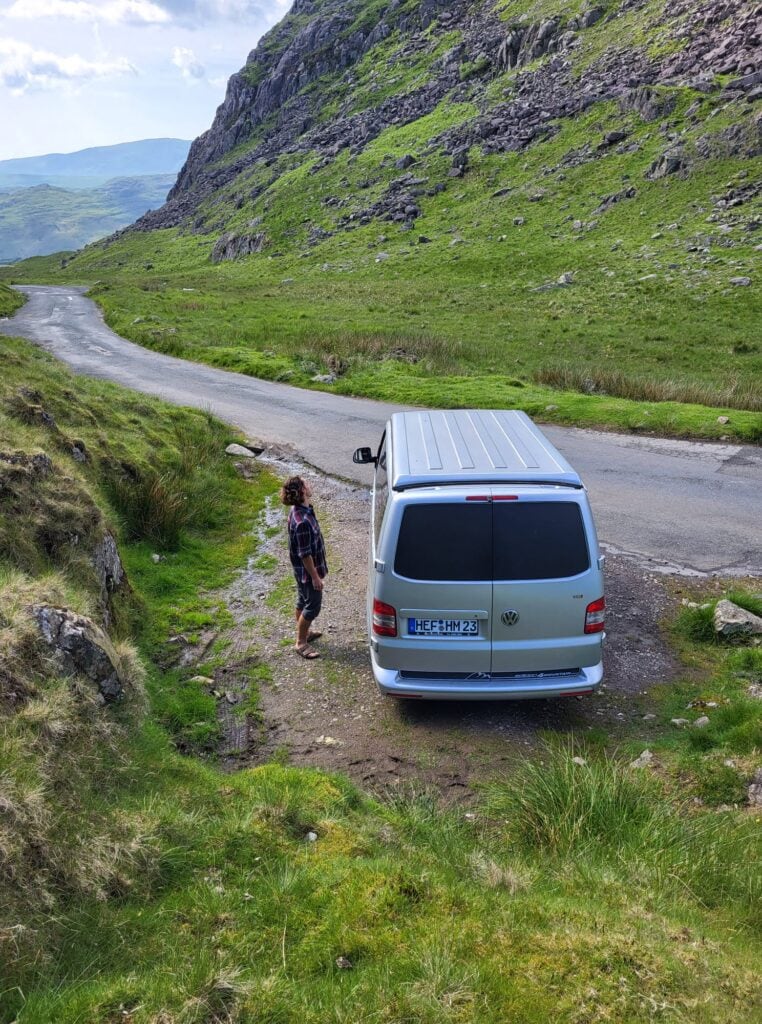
column 80, row 647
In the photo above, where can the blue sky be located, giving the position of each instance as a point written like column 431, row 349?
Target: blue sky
column 79, row 73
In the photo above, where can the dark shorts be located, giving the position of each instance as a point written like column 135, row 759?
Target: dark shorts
column 309, row 601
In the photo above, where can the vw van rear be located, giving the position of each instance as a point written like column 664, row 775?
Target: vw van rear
column 486, row 580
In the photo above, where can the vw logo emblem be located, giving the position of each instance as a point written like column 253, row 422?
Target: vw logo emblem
column 510, row 617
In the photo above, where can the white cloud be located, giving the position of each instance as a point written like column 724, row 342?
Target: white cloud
column 23, row 68
column 138, row 12
column 190, row 66
column 193, row 13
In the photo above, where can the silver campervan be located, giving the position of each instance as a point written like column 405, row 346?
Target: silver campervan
column 486, row 580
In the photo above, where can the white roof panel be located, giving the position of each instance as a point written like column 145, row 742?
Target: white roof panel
column 461, row 446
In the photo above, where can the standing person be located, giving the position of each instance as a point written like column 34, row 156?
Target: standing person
column 307, row 552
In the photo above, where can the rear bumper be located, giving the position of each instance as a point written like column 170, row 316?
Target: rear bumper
column 534, row 686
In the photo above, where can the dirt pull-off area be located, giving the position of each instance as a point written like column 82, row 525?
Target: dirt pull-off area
column 328, row 713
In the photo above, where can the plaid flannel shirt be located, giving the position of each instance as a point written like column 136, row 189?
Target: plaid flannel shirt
column 305, row 538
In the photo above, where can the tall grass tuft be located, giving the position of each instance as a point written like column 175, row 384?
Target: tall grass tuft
column 184, row 493
column 596, row 381
column 600, row 808
column 559, row 805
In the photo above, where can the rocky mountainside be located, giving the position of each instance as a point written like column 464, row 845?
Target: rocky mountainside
column 474, row 79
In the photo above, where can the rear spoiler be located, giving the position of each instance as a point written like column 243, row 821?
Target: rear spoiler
column 416, row 484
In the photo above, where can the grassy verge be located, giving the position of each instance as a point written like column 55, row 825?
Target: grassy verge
column 10, row 301
column 710, row 764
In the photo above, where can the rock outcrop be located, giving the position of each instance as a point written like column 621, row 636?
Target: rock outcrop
column 79, row 647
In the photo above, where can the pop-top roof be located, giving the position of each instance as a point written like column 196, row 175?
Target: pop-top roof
column 491, row 446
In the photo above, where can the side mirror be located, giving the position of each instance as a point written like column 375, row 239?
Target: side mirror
column 364, row 456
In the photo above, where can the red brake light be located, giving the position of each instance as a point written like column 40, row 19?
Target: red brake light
column 595, row 616
column 505, row 497
column 477, row 497
column 384, row 619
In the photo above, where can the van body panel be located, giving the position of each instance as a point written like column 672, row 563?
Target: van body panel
column 496, row 577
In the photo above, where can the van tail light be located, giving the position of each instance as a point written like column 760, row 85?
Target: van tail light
column 595, row 616
column 384, row 619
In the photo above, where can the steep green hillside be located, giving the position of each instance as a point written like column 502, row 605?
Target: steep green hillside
column 44, row 219
column 456, row 202
column 139, row 885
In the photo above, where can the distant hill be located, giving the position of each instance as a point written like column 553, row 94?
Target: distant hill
column 44, row 219
column 88, row 168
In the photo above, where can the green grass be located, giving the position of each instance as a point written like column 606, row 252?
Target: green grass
column 161, row 890
column 10, row 301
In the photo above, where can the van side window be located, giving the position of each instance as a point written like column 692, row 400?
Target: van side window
column 538, row 540
column 445, row 542
column 382, row 489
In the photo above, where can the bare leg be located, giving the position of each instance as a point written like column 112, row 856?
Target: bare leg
column 302, row 631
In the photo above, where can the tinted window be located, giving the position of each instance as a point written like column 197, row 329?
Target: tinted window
column 538, row 540
column 445, row 542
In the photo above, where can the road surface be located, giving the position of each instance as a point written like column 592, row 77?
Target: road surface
column 678, row 506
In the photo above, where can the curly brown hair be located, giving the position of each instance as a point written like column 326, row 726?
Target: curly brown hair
column 292, row 492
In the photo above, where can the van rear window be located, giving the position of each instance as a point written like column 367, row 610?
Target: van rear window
column 531, row 540
column 445, row 542
column 538, row 540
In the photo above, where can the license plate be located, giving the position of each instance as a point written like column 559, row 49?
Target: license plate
column 443, row 627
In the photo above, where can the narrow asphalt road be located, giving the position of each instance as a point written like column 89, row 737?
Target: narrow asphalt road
column 673, row 505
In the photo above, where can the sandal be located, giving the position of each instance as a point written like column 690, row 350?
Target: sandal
column 311, row 637
column 307, row 652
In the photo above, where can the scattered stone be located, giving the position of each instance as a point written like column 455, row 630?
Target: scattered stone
column 755, row 789
column 501, row 192
column 156, row 558
column 324, row 378
column 240, row 451
column 732, row 621
column 566, row 279
column 343, row 962
column 232, row 698
column 404, row 162
column 381, row 256
column 643, row 761
column 723, row 419
column 551, row 408
column 202, row 680
column 518, row 222
column 648, row 718
column 701, row 723
column 673, row 162
column 580, row 761
column 679, row 722
column 612, row 138
column 311, row 837
column 755, row 691
column 423, row 239
column 328, row 741
column 740, row 282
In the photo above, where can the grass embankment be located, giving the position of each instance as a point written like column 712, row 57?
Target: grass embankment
column 648, row 334
column 140, row 885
